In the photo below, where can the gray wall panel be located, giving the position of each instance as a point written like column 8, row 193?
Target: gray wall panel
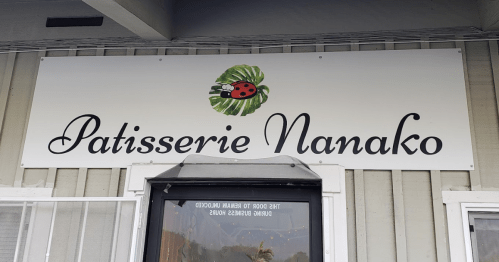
column 380, row 229
column 240, row 51
column 175, row 51
column 17, row 109
column 114, row 52
column 97, row 184
column 351, row 230
column 208, row 52
column 86, row 52
column 405, row 46
column 121, row 185
column 302, row 49
column 146, row 51
column 65, row 182
column 57, row 53
column 371, row 47
column 440, row 45
column 336, row 48
column 419, row 216
column 484, row 112
column 271, row 50
column 455, row 180
column 35, row 177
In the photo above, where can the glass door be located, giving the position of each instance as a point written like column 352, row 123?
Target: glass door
column 193, row 223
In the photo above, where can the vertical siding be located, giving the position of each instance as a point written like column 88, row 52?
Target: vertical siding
column 18, row 102
column 419, row 216
column 380, row 215
column 350, row 199
column 483, row 100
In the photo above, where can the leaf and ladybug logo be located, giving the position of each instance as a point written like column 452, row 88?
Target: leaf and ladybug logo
column 238, row 88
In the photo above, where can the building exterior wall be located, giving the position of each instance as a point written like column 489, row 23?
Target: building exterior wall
column 392, row 215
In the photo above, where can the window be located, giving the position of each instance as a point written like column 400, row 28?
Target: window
column 234, row 223
column 484, row 231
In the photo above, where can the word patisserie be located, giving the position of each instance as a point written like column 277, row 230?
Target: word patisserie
column 88, row 126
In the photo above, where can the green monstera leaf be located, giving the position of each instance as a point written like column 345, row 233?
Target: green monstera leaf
column 231, row 106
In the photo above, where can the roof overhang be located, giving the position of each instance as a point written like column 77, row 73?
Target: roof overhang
column 200, row 168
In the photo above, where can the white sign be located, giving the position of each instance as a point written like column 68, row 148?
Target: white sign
column 362, row 110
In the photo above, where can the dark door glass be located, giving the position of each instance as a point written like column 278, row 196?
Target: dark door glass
column 235, row 231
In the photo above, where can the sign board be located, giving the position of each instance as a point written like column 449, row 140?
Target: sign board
column 363, row 110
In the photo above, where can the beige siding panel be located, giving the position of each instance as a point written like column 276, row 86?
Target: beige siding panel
column 235, row 51
column 419, row 216
column 97, row 184
column 379, row 216
column 477, row 51
column 208, row 52
column 65, row 182
column 35, row 177
column 406, row 46
column 441, row 45
column 146, row 51
column 484, row 112
column 350, row 199
column 3, row 66
column 370, row 47
column 455, row 180
column 121, row 186
column 336, row 48
column 176, row 51
column 17, row 108
column 302, row 49
column 268, row 50
column 115, row 52
column 86, row 52
column 57, row 53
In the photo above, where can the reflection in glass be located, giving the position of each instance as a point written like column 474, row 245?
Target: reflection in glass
column 235, row 231
column 487, row 238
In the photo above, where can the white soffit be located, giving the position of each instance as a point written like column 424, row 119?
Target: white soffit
column 143, row 17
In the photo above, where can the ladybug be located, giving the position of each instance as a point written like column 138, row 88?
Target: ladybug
column 239, row 90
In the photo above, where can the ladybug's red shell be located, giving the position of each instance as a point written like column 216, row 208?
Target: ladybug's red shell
column 243, row 90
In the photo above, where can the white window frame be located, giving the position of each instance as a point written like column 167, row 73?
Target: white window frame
column 459, row 204
column 334, row 211
column 24, row 200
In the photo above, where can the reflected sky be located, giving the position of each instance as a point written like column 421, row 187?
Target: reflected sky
column 221, row 226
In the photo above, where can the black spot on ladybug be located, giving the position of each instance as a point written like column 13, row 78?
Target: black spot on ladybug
column 237, row 88
column 251, row 90
column 243, row 93
column 245, row 85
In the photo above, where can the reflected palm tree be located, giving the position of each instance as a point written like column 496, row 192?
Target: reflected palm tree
column 262, row 255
